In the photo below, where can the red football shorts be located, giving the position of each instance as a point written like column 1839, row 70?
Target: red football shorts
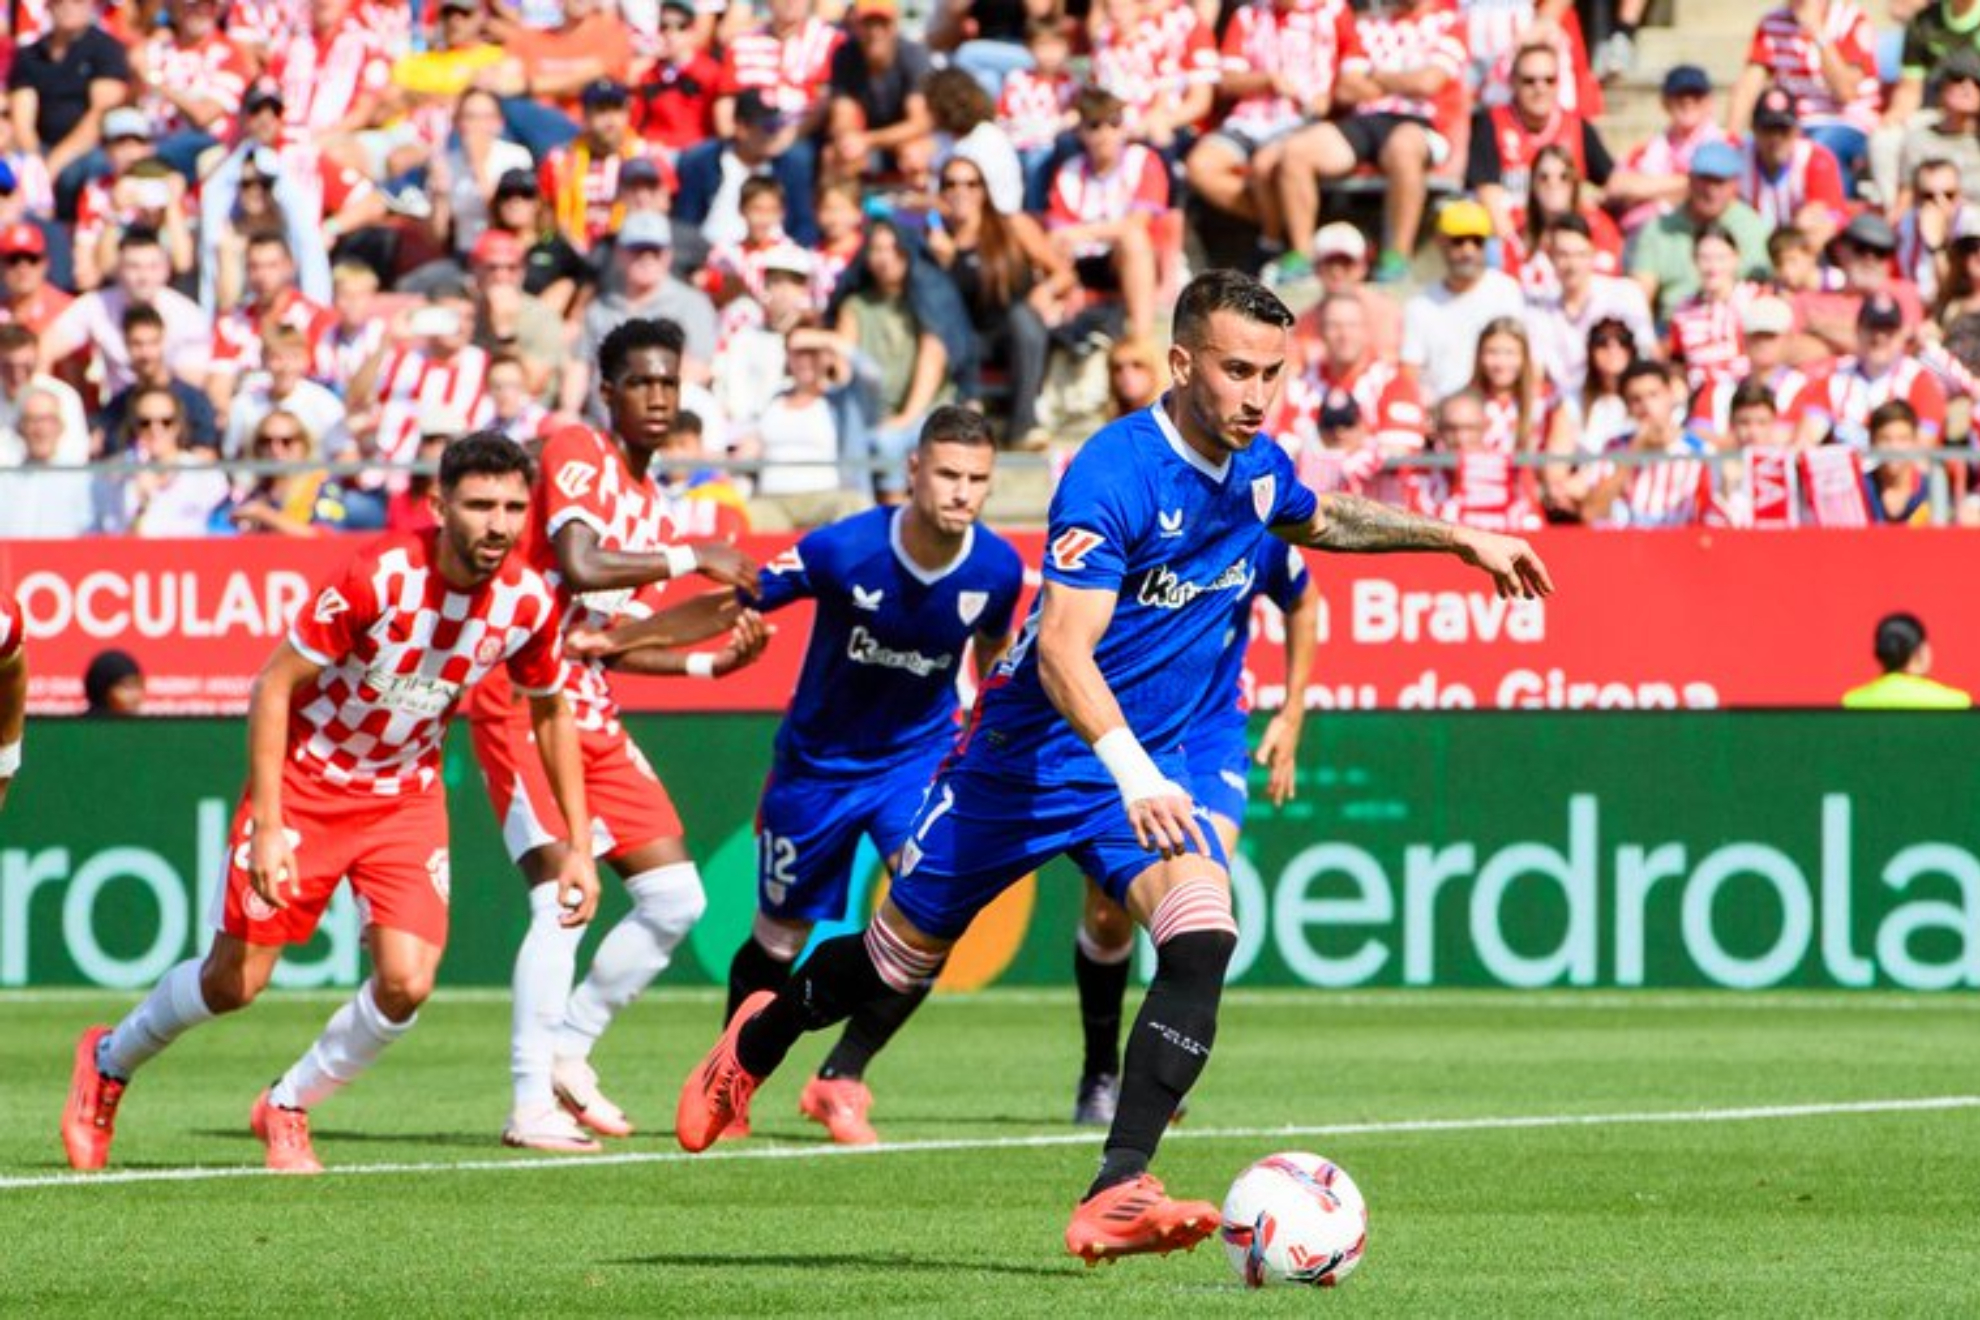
column 629, row 807
column 394, row 849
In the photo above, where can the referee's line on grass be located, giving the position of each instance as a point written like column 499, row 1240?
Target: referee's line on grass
column 726, row 1154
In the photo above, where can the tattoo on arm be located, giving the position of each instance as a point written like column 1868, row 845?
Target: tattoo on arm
column 1356, row 525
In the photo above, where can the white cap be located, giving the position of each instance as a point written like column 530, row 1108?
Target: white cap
column 436, row 321
column 788, row 258
column 1767, row 316
column 1340, row 239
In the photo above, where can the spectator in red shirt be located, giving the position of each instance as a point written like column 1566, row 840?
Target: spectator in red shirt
column 1507, row 140
column 31, row 300
column 1102, row 201
column 788, row 60
column 674, row 103
column 1824, row 54
column 1791, row 179
column 1881, row 370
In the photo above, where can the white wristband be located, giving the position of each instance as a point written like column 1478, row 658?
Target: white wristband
column 701, row 665
column 10, row 760
column 682, row 561
column 1132, row 768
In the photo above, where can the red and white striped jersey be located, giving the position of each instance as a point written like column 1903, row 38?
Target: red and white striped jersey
column 342, row 350
column 216, row 66
column 1139, row 181
column 1157, row 61
column 791, row 70
column 1325, row 469
column 1487, row 492
column 1502, row 423
column 1711, row 404
column 1847, row 398
column 1031, row 109
column 1916, row 261
column 415, row 376
column 1708, row 338
column 1431, row 37
column 1674, row 493
column 11, row 625
column 1793, row 58
column 1385, row 394
column 1811, row 176
column 1519, row 146
column 585, row 479
column 323, row 75
column 399, row 645
column 30, row 22
column 266, row 24
column 1305, row 39
column 237, row 334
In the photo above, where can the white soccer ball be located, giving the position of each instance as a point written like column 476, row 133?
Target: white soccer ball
column 1294, row 1218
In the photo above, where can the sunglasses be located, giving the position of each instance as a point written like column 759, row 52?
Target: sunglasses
column 24, row 259
column 1538, row 79
column 156, row 423
column 972, row 185
column 1611, row 341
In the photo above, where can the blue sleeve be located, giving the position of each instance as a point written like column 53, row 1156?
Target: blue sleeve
column 1294, row 503
column 1093, row 515
column 997, row 620
column 789, row 576
column 1283, row 578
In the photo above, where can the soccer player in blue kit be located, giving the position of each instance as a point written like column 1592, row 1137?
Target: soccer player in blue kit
column 901, row 592
column 1218, row 761
column 1076, row 743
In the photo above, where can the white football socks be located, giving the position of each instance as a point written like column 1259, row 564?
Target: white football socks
column 667, row 901
column 174, row 1007
column 546, row 964
column 356, row 1035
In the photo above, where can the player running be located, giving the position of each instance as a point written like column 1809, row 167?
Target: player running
column 599, row 532
column 1217, row 760
column 344, row 733
column 1076, row 743
column 13, row 690
column 901, row 593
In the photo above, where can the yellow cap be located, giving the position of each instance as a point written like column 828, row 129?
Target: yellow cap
column 1464, row 219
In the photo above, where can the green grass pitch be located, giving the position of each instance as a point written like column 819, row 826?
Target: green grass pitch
column 1685, row 1155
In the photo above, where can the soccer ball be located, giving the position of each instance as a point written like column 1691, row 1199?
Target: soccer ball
column 1294, row 1218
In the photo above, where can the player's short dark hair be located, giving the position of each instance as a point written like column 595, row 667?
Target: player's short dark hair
column 1890, row 412
column 686, row 422
column 1717, row 231
column 142, row 314
column 1787, row 239
column 483, row 454
column 1225, row 290
column 953, row 424
column 1570, row 223
column 140, row 236
column 628, row 337
column 271, row 238
column 1753, row 393
column 1094, row 102
column 1898, row 638
column 1643, row 369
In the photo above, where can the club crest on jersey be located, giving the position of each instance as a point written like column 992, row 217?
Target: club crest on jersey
column 329, row 605
column 910, row 857
column 969, row 605
column 575, row 479
column 1073, row 545
column 488, row 650
column 1171, row 523
column 441, row 872
column 868, row 600
column 1263, row 489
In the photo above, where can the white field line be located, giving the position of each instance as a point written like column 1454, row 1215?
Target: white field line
column 1406, row 1127
column 1413, row 998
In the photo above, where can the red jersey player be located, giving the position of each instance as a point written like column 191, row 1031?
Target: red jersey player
column 599, row 532
column 13, row 690
column 344, row 734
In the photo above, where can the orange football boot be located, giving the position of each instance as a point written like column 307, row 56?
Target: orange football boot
column 89, row 1119
column 717, row 1092
column 286, row 1134
column 841, row 1104
column 1135, row 1217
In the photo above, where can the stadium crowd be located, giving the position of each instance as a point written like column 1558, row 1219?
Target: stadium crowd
column 313, row 230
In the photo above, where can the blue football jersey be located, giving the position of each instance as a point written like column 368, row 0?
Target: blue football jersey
column 1279, row 575
column 1176, row 537
column 878, row 686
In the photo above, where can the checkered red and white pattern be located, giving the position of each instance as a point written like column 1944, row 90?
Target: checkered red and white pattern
column 1812, row 176
column 323, row 76
column 1433, row 37
column 399, row 646
column 1306, row 41
column 1138, row 182
column 585, row 479
column 215, row 65
column 791, row 71
column 1032, row 108
column 1794, row 59
column 1847, row 398
column 1157, row 61
column 237, row 334
column 11, row 626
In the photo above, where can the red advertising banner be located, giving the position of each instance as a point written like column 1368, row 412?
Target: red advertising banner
column 1652, row 619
